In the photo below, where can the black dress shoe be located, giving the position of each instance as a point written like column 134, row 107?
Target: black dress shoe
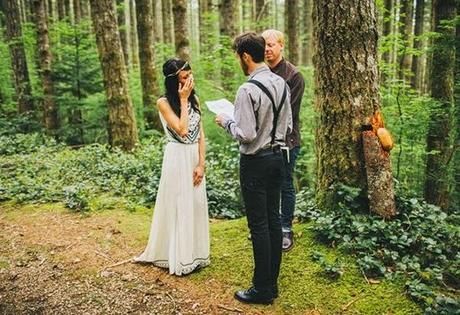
column 254, row 296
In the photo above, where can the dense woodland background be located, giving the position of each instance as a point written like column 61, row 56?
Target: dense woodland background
column 79, row 82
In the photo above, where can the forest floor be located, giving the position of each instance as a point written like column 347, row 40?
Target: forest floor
column 53, row 261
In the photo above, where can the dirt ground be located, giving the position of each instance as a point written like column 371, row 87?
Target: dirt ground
column 56, row 262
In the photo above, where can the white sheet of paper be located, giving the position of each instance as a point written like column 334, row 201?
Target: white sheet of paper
column 222, row 106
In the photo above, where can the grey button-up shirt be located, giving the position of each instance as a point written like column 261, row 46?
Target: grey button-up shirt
column 253, row 122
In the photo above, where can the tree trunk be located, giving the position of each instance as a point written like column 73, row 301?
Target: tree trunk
column 387, row 27
column 61, row 9
column 307, row 33
column 418, row 44
column 181, row 29
column 133, row 36
column 122, row 127
column 292, row 9
column 77, row 10
column 158, row 21
column 406, row 30
column 442, row 91
column 260, row 15
column 228, row 32
column 84, row 9
column 50, row 109
column 121, row 16
column 150, row 88
column 347, row 91
column 18, row 56
column 168, row 22
column 75, row 114
column 456, row 190
column 380, row 190
column 67, row 8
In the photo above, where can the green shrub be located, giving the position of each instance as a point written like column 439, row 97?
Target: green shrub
column 420, row 244
column 34, row 168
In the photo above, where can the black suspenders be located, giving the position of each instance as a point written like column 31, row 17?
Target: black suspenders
column 276, row 111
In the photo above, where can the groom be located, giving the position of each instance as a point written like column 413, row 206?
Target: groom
column 262, row 120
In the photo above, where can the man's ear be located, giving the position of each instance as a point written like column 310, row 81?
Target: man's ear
column 247, row 57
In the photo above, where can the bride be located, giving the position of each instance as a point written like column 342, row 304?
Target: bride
column 179, row 235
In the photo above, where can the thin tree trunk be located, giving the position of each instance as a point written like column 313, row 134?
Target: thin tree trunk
column 406, row 31
column 158, row 21
column 442, row 91
column 181, row 29
column 292, row 9
column 387, row 27
column 133, row 36
column 307, row 33
column 50, row 108
column 18, row 56
column 75, row 114
column 168, row 22
column 150, row 88
column 77, row 10
column 456, row 189
column 121, row 15
column 84, row 9
column 227, row 32
column 61, row 9
column 347, row 91
column 418, row 44
column 260, row 15
column 122, row 129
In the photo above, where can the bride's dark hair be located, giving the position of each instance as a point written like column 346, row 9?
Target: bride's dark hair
column 171, row 72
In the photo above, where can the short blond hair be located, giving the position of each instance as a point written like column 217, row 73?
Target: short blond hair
column 277, row 35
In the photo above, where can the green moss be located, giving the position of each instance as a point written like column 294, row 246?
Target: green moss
column 302, row 284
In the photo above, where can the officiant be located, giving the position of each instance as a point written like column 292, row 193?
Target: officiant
column 262, row 118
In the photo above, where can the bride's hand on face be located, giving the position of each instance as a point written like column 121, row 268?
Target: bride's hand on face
column 198, row 175
column 186, row 89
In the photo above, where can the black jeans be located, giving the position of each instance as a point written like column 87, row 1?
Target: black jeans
column 260, row 179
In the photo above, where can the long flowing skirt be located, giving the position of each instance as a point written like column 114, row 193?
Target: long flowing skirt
column 179, row 235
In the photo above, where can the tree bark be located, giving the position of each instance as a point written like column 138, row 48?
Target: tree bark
column 292, row 9
column 456, row 190
column 133, row 36
column 61, row 9
column 418, row 44
column 228, row 32
column 158, row 21
column 18, row 56
column 84, row 9
column 387, row 27
column 181, row 29
column 50, row 109
column 406, row 31
column 442, row 91
column 347, row 91
column 77, row 10
column 307, row 33
column 380, row 190
column 150, row 88
column 168, row 22
column 121, row 16
column 122, row 129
